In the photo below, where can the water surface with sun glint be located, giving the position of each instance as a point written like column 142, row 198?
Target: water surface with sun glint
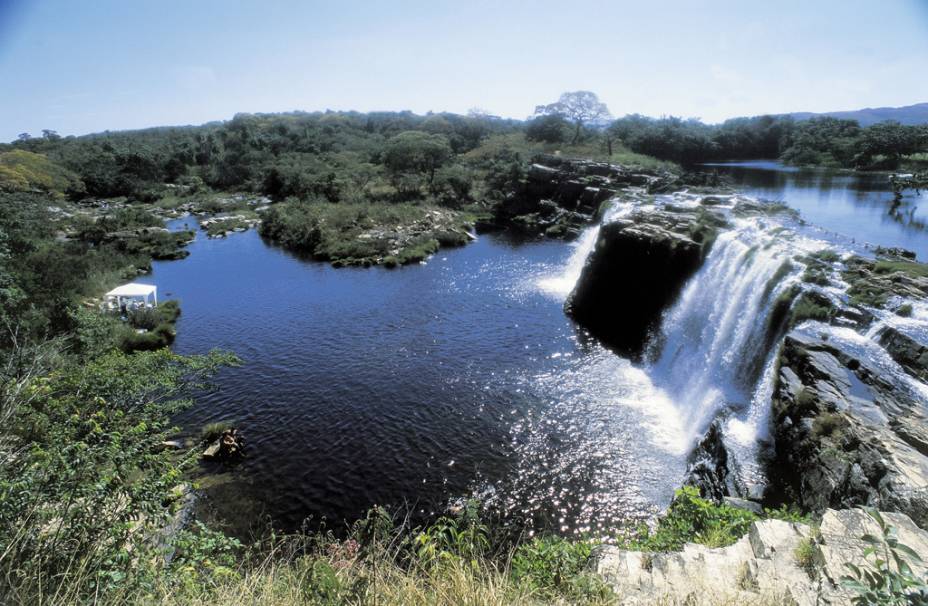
column 420, row 385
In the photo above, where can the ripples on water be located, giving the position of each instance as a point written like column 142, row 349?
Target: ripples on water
column 421, row 385
column 418, row 386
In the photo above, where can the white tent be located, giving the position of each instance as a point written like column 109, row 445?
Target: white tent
column 133, row 294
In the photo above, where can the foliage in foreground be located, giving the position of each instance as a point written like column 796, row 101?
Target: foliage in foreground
column 85, row 486
column 887, row 578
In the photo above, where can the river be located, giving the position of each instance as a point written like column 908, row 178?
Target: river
column 852, row 205
column 418, row 386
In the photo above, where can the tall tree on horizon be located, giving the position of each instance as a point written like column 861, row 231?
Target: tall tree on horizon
column 580, row 107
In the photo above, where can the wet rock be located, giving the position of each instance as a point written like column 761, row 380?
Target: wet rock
column 708, row 467
column 635, row 271
column 761, row 567
column 906, row 351
column 845, row 435
column 899, row 253
column 229, row 446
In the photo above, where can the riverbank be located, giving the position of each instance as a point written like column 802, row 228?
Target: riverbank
column 559, row 365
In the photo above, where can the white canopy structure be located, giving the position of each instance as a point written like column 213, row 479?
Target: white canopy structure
column 132, row 295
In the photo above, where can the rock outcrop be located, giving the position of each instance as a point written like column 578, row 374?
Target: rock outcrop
column 845, row 433
column 637, row 268
column 776, row 562
column 559, row 195
column 906, row 351
column 708, row 468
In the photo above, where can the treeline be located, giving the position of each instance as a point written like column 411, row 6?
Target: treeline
column 332, row 156
column 819, row 141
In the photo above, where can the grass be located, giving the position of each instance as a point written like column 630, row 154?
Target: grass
column 809, row 308
column 872, row 283
column 692, row 519
column 211, row 431
column 805, row 556
column 909, row 268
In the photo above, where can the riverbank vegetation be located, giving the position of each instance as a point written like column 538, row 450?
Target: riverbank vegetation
column 346, row 187
column 828, row 142
column 93, row 496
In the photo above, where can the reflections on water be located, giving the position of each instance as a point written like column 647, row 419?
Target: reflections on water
column 420, row 385
column 463, row 376
column 859, row 206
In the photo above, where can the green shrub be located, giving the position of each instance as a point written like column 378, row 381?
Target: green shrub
column 89, row 487
column 211, row 431
column 691, row 518
column 809, row 308
column 464, row 536
column 557, row 567
column 805, row 556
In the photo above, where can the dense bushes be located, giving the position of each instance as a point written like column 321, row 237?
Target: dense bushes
column 84, row 483
column 45, row 277
column 393, row 234
column 21, row 170
column 819, row 141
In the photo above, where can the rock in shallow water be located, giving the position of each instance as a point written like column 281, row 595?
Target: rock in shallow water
column 635, row 271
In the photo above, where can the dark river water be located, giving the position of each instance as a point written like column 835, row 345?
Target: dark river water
column 414, row 387
column 858, row 206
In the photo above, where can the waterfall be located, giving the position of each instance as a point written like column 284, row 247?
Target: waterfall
column 563, row 282
column 713, row 351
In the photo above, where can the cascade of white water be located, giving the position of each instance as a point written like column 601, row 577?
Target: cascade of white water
column 562, row 283
column 714, row 340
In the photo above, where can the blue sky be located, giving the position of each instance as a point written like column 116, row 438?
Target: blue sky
column 85, row 66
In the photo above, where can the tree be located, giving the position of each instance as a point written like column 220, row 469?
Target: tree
column 413, row 153
column 889, row 139
column 50, row 135
column 580, row 107
column 549, row 129
column 24, row 136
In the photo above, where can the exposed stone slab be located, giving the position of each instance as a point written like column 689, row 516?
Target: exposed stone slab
column 844, row 435
column 761, row 568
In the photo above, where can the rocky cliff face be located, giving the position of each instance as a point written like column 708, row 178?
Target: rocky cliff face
column 845, row 433
column 765, row 567
column 560, row 196
column 637, row 268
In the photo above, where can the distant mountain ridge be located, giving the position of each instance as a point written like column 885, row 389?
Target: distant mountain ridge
column 908, row 115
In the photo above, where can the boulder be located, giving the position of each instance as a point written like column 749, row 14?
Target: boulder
column 229, row 446
column 845, row 435
column 636, row 269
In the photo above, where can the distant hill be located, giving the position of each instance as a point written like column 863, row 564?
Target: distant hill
column 910, row 114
